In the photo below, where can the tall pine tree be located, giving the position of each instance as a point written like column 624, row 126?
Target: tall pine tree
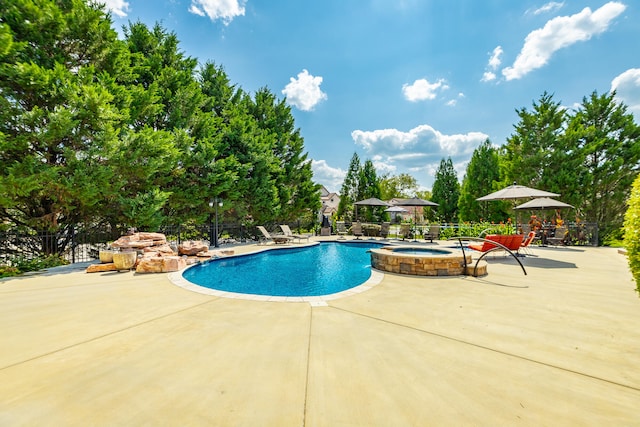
column 482, row 177
column 349, row 190
column 446, row 191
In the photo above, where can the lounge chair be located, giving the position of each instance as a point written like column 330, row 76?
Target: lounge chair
column 341, row 229
column 405, row 231
column 433, row 233
column 356, row 230
column 287, row 232
column 275, row 238
column 509, row 241
column 384, row 230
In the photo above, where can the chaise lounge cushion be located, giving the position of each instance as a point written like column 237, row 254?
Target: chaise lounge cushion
column 510, row 241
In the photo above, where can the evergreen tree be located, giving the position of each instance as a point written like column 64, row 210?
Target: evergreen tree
column 533, row 152
column 95, row 130
column 369, row 187
column 349, row 190
column 446, row 191
column 58, row 121
column 482, row 177
column 609, row 142
column 291, row 169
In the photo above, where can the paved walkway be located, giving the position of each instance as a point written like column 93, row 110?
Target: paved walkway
column 560, row 346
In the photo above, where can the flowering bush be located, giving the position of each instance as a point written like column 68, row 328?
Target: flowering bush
column 474, row 229
column 632, row 231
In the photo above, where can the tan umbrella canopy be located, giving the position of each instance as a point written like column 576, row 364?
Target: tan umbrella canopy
column 396, row 209
column 542, row 203
column 415, row 202
column 372, row 201
column 515, row 191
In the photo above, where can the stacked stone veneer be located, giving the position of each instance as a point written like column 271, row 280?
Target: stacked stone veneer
column 419, row 265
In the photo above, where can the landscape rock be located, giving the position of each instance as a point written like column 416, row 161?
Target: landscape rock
column 161, row 249
column 161, row 264
column 158, row 238
column 100, row 268
column 192, row 247
column 140, row 240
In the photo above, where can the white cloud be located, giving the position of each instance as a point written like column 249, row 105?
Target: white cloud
column 304, row 92
column 488, row 76
column 558, row 33
column 627, row 87
column 454, row 102
column 417, row 151
column 494, row 60
column 548, row 7
column 328, row 176
column 492, row 65
column 225, row 10
column 117, row 7
column 421, row 89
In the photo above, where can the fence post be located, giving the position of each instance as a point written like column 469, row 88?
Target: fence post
column 73, row 245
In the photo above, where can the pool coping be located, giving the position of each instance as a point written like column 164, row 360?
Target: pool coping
column 317, row 300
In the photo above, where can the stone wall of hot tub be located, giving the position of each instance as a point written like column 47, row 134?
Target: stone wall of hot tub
column 451, row 264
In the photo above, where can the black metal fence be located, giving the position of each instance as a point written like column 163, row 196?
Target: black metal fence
column 82, row 244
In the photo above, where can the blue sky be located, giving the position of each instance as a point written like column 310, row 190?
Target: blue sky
column 406, row 83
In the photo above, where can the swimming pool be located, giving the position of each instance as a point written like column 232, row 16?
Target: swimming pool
column 321, row 269
column 421, row 251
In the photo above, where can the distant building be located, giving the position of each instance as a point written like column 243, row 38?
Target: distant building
column 330, row 202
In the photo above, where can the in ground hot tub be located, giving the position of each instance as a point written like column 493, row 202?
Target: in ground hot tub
column 419, row 261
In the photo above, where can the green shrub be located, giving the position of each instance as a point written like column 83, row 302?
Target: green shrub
column 632, row 231
column 22, row 264
column 8, row 271
column 474, row 229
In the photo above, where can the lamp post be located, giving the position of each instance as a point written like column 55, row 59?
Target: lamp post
column 215, row 202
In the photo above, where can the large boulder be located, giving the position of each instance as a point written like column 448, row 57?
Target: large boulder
column 192, row 247
column 140, row 240
column 161, row 264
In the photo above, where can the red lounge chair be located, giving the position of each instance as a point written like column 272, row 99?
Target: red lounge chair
column 510, row 241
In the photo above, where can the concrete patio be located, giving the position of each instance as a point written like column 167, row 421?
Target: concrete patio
column 559, row 346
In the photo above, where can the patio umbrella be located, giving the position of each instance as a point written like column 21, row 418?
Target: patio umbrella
column 415, row 202
column 515, row 191
column 372, row 201
column 396, row 209
column 542, row 203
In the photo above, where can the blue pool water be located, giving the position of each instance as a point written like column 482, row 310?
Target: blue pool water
column 295, row 272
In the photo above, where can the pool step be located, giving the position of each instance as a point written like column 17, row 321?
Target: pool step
column 480, row 271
